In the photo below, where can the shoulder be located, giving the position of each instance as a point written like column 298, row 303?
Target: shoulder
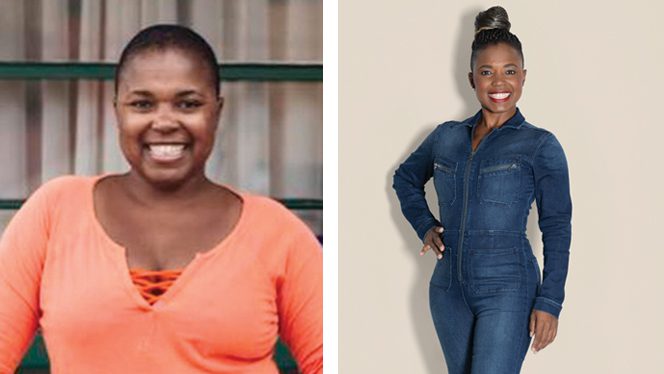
column 459, row 125
column 67, row 187
column 539, row 135
column 535, row 130
column 546, row 144
column 66, row 182
column 453, row 125
column 288, row 237
column 448, row 131
column 268, row 212
column 44, row 206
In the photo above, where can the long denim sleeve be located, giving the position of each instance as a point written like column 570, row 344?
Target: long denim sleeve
column 554, row 207
column 408, row 182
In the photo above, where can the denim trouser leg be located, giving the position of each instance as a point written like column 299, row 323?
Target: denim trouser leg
column 453, row 321
column 482, row 329
column 501, row 337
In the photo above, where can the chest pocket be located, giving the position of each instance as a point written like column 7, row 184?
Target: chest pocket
column 499, row 181
column 444, row 178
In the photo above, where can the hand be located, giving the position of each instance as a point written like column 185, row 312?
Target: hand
column 544, row 326
column 432, row 241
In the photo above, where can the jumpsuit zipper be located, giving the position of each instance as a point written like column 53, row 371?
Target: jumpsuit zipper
column 465, row 196
column 465, row 210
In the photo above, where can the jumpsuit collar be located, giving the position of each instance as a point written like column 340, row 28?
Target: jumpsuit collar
column 514, row 122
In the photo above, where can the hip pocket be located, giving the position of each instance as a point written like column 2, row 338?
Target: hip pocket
column 442, row 273
column 444, row 178
column 499, row 181
column 495, row 270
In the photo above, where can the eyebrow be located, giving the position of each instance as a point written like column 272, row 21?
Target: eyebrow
column 491, row 67
column 187, row 93
column 179, row 94
column 141, row 93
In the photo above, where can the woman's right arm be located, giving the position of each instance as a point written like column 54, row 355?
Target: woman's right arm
column 22, row 252
column 409, row 181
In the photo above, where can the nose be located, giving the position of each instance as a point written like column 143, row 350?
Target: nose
column 498, row 80
column 164, row 120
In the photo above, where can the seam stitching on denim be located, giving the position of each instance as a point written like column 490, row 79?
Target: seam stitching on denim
column 550, row 301
column 539, row 146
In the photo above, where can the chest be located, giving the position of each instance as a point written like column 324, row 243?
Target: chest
column 167, row 240
column 94, row 304
column 166, row 237
column 495, row 167
column 478, row 135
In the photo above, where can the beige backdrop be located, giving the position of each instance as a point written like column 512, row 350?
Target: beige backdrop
column 595, row 79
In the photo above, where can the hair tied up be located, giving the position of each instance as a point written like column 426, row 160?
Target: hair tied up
column 492, row 27
column 493, row 18
column 483, row 28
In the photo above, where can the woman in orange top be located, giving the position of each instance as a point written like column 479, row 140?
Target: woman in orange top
column 159, row 270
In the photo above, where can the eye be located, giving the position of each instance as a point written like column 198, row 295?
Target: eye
column 189, row 104
column 510, row 72
column 485, row 72
column 141, row 105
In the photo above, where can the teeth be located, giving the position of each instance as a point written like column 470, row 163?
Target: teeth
column 166, row 150
column 500, row 96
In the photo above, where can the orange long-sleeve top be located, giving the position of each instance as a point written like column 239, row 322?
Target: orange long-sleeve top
column 61, row 272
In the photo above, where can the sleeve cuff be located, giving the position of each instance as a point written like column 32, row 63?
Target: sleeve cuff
column 547, row 305
column 424, row 228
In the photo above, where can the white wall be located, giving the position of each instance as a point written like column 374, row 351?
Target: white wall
column 595, row 79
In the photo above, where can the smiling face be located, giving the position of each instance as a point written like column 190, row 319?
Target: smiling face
column 167, row 110
column 498, row 78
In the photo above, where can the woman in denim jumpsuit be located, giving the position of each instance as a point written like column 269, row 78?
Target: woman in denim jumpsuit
column 486, row 295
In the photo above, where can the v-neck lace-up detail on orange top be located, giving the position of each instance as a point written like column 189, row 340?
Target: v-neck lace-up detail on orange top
column 152, row 283
column 60, row 271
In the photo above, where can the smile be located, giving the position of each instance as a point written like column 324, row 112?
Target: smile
column 499, row 96
column 166, row 152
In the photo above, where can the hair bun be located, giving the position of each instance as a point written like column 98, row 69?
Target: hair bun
column 492, row 18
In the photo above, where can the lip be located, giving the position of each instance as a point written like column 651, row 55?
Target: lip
column 165, row 157
column 500, row 99
column 159, row 142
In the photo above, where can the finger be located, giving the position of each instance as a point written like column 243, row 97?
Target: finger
column 543, row 338
column 546, row 338
column 555, row 333
column 553, row 330
column 439, row 243
column 551, row 335
column 539, row 334
column 438, row 252
column 424, row 249
column 531, row 327
column 544, row 335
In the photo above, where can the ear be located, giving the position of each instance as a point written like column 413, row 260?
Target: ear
column 524, row 77
column 470, row 79
column 220, row 106
column 116, row 110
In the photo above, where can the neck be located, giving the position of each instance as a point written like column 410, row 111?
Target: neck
column 492, row 120
column 146, row 193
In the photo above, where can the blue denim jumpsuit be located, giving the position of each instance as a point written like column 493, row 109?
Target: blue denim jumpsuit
column 484, row 288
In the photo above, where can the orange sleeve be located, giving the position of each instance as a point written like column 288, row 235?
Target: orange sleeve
column 22, row 253
column 300, row 300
